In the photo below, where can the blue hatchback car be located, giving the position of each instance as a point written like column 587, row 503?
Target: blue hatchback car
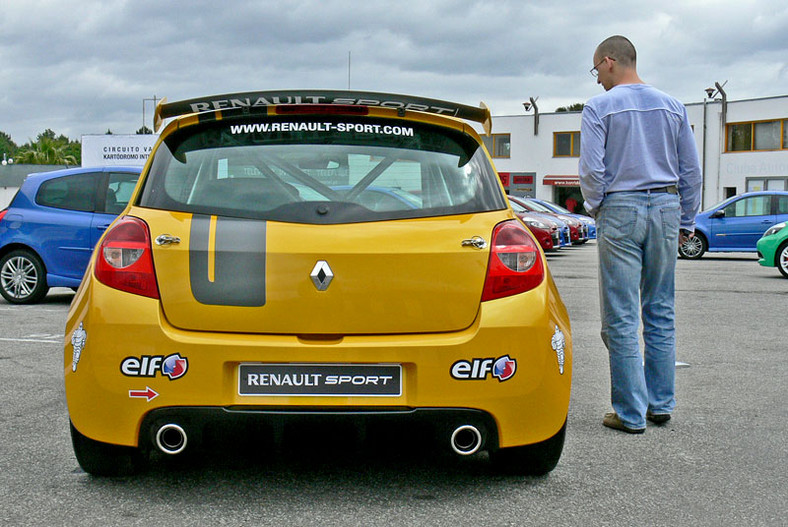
column 48, row 232
column 736, row 224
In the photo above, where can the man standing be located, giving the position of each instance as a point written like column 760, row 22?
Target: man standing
column 641, row 180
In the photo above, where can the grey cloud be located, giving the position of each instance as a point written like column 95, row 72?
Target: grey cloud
column 83, row 67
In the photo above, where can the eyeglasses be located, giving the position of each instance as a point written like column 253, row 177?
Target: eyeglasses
column 594, row 72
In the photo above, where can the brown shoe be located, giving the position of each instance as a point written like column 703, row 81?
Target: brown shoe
column 657, row 419
column 611, row 420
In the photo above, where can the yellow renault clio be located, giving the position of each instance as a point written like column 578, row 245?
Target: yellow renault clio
column 289, row 256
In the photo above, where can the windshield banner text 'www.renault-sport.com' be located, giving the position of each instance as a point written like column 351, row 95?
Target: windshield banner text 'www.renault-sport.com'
column 379, row 129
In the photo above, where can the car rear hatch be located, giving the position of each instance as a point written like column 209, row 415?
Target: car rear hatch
column 320, row 225
column 254, row 276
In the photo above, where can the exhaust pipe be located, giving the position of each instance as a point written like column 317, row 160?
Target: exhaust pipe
column 466, row 440
column 171, row 439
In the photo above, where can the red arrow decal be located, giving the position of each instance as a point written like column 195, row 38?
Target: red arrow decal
column 147, row 393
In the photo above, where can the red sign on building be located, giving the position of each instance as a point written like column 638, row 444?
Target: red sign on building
column 562, row 181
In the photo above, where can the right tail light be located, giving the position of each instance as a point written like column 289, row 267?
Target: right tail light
column 515, row 264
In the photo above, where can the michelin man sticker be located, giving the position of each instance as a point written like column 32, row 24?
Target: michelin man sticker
column 78, row 339
column 558, row 343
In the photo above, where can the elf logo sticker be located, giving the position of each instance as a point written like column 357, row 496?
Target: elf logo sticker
column 502, row 368
column 173, row 366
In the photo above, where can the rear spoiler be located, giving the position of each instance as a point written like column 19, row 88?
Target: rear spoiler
column 166, row 110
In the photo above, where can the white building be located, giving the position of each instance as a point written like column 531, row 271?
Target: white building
column 537, row 154
column 117, row 150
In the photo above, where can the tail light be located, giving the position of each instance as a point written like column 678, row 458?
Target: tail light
column 515, row 262
column 326, row 109
column 2, row 213
column 124, row 260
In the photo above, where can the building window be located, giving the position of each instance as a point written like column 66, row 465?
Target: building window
column 768, row 183
column 566, row 144
column 785, row 134
column 761, row 135
column 499, row 145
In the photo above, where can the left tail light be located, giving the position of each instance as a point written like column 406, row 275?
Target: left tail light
column 515, row 264
column 124, row 260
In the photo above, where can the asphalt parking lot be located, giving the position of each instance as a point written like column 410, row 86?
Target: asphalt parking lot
column 722, row 460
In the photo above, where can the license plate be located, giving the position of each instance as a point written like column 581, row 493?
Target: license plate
column 343, row 380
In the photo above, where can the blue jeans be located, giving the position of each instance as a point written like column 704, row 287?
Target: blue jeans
column 637, row 238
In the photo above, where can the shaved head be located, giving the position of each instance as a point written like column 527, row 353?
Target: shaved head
column 618, row 48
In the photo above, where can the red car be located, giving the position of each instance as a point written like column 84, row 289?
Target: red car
column 578, row 232
column 545, row 230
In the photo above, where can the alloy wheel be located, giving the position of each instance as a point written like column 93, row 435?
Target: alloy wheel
column 692, row 248
column 782, row 260
column 22, row 277
column 19, row 277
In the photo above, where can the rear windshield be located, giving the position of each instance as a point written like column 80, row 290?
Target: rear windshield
column 325, row 169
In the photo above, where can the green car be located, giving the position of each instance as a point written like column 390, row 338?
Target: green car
column 773, row 248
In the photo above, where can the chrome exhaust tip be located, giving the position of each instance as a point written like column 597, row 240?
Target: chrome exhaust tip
column 171, row 439
column 466, row 440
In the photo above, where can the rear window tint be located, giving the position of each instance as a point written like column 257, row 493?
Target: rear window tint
column 327, row 169
column 77, row 192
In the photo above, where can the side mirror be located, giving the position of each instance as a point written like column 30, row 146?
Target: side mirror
column 718, row 214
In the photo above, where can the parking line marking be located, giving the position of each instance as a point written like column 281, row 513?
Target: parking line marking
column 44, row 341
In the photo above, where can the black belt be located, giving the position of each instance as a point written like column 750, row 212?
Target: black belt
column 670, row 189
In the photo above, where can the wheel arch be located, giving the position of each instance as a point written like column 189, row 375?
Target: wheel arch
column 5, row 249
column 702, row 234
column 780, row 249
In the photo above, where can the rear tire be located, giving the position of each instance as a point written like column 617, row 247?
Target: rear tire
column 104, row 459
column 22, row 277
column 530, row 460
column 694, row 247
column 781, row 259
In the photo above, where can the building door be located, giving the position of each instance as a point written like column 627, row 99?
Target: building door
column 570, row 198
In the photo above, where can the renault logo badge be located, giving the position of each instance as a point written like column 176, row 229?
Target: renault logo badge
column 321, row 275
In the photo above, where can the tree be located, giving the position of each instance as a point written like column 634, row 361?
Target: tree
column 48, row 134
column 50, row 150
column 144, row 130
column 576, row 107
column 74, row 149
column 7, row 145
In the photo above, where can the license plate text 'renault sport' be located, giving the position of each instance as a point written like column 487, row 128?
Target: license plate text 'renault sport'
column 376, row 380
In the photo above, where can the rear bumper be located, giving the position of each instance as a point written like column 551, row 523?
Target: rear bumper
column 207, row 424
column 116, row 391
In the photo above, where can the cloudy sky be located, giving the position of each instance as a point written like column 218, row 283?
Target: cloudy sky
column 82, row 67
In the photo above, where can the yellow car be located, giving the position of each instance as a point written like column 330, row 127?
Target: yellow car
column 288, row 256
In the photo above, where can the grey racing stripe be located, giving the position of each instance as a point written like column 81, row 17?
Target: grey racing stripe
column 239, row 265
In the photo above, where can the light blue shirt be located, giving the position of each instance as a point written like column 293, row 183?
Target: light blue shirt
column 635, row 137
